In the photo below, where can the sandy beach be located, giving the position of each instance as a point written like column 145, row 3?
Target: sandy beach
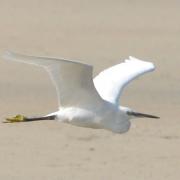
column 100, row 33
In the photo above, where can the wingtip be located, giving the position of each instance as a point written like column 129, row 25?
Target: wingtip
column 7, row 54
column 132, row 58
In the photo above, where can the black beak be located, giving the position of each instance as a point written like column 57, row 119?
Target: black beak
column 141, row 115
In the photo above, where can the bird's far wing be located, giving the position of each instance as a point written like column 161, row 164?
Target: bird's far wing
column 73, row 80
column 111, row 82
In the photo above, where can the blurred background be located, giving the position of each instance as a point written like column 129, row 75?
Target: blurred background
column 100, row 33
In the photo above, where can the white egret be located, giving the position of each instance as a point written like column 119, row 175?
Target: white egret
column 86, row 102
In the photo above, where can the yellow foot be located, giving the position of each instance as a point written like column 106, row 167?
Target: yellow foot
column 17, row 118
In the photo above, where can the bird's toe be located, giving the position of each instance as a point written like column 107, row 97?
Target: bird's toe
column 17, row 118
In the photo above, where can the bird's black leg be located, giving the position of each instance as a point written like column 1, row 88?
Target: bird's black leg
column 52, row 117
column 21, row 118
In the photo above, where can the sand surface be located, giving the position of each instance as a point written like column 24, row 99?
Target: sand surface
column 101, row 33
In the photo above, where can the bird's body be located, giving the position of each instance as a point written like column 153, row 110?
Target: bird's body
column 103, row 116
column 86, row 102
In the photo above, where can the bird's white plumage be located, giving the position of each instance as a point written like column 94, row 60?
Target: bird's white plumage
column 111, row 82
column 73, row 80
column 79, row 102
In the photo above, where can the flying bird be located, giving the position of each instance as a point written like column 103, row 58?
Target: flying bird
column 84, row 101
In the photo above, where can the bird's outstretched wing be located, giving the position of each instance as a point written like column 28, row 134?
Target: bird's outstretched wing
column 111, row 82
column 73, row 80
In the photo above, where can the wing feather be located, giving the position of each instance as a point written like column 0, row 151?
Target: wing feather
column 73, row 80
column 111, row 82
